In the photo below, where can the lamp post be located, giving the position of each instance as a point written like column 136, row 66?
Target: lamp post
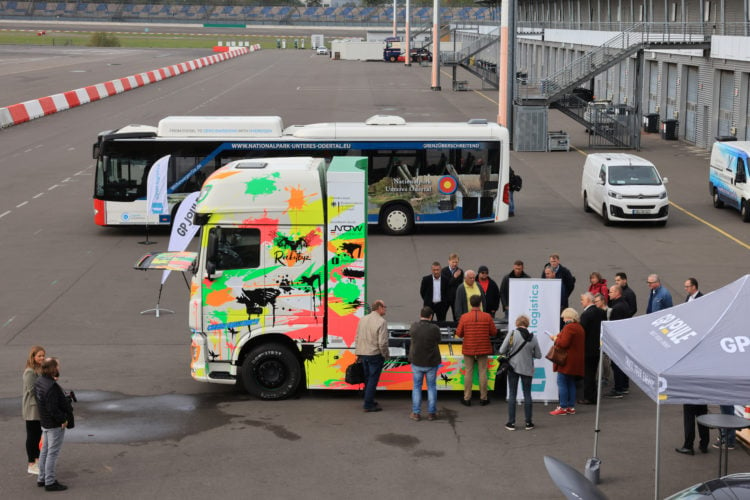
column 435, row 45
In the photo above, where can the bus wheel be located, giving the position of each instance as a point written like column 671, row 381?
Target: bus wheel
column 717, row 201
column 397, row 220
column 271, row 371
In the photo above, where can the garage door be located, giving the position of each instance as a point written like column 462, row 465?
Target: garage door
column 653, row 86
column 726, row 102
column 671, row 91
column 691, row 104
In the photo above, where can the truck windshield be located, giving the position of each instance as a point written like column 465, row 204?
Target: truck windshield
column 633, row 175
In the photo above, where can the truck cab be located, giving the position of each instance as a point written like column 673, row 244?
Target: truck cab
column 728, row 176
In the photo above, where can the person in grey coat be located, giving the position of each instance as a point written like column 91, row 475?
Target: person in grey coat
column 524, row 347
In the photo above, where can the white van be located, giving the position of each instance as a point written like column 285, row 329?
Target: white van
column 623, row 187
column 728, row 174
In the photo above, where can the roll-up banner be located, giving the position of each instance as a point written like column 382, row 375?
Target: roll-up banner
column 539, row 299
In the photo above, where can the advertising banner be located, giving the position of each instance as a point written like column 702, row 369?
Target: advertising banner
column 539, row 299
column 183, row 228
column 156, row 188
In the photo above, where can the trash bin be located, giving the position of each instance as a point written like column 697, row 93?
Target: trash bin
column 669, row 130
column 651, row 123
column 725, row 138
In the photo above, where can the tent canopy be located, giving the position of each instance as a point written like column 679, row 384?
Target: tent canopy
column 697, row 352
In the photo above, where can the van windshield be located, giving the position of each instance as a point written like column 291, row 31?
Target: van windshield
column 633, row 175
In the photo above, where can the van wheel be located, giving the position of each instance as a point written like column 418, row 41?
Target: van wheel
column 271, row 371
column 605, row 216
column 586, row 207
column 717, row 201
column 745, row 211
column 397, row 220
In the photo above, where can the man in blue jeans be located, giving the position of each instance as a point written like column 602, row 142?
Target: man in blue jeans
column 54, row 409
column 372, row 350
column 731, row 435
column 425, row 359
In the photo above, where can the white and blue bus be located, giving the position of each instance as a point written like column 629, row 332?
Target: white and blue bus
column 419, row 173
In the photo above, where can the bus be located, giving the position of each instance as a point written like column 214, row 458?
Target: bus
column 419, row 172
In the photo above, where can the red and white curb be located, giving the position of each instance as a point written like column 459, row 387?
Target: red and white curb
column 36, row 108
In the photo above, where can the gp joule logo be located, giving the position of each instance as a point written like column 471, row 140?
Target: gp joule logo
column 673, row 328
column 733, row 345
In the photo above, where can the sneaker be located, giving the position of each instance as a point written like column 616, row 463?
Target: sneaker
column 626, row 391
column 431, row 417
column 55, row 487
column 510, row 427
column 717, row 444
column 33, row 469
column 613, row 395
column 415, row 417
column 529, row 426
column 571, row 411
column 559, row 411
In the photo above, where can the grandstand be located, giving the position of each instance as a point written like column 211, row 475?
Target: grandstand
column 176, row 11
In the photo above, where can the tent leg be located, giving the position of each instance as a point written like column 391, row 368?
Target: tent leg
column 656, row 468
column 598, row 404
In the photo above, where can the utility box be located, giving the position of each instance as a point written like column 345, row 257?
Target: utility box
column 558, row 141
column 460, row 85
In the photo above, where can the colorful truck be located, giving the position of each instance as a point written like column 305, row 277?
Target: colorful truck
column 279, row 284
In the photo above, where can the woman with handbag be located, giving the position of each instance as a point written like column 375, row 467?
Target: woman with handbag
column 521, row 347
column 569, row 363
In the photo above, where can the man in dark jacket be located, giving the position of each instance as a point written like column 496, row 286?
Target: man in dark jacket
column 434, row 292
column 516, row 273
column 54, row 411
column 491, row 290
column 591, row 321
column 620, row 310
column 628, row 295
column 454, row 276
column 562, row 273
column 425, row 359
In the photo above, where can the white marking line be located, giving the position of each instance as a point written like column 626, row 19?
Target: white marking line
column 53, row 187
column 4, row 214
column 67, row 179
column 9, row 321
column 22, row 204
column 38, row 195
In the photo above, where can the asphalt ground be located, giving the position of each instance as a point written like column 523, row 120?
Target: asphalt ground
column 146, row 429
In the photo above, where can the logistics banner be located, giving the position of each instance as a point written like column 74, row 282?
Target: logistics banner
column 539, row 299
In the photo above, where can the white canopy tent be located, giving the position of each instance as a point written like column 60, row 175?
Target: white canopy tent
column 697, row 352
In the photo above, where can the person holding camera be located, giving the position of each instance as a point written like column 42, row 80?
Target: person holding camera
column 522, row 347
column 55, row 412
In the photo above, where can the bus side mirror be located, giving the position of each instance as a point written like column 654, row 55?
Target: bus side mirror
column 211, row 252
column 95, row 151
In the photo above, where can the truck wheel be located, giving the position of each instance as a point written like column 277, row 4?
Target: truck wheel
column 717, row 201
column 745, row 211
column 605, row 215
column 392, row 58
column 397, row 220
column 271, row 371
column 586, row 207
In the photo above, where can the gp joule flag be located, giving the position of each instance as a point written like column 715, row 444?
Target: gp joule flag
column 183, row 228
column 156, row 188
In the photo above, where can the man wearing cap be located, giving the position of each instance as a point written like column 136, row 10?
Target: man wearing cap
column 490, row 288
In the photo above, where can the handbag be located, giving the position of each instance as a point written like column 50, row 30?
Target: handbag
column 557, row 355
column 503, row 360
column 355, row 373
column 70, row 397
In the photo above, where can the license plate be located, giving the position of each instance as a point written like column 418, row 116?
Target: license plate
column 641, row 211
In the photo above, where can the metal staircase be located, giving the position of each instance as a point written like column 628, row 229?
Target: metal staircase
column 462, row 58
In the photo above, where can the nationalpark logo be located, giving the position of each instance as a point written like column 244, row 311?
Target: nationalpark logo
column 673, row 329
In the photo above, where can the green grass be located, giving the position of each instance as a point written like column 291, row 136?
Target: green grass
column 137, row 40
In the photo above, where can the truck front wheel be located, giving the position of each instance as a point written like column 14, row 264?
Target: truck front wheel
column 271, row 371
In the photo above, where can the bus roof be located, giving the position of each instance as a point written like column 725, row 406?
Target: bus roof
column 220, row 126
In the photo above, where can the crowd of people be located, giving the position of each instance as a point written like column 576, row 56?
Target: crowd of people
column 475, row 299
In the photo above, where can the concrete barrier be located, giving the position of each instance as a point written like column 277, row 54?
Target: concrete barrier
column 36, row 108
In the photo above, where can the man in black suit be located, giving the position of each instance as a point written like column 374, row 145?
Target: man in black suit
column 619, row 310
column 434, row 292
column 562, row 273
column 453, row 276
column 691, row 412
column 591, row 321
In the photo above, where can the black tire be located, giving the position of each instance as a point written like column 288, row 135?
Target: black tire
column 392, row 58
column 745, row 210
column 586, row 207
column 605, row 216
column 397, row 220
column 717, row 201
column 271, row 371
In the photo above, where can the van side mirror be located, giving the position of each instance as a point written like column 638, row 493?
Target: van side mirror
column 664, row 180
